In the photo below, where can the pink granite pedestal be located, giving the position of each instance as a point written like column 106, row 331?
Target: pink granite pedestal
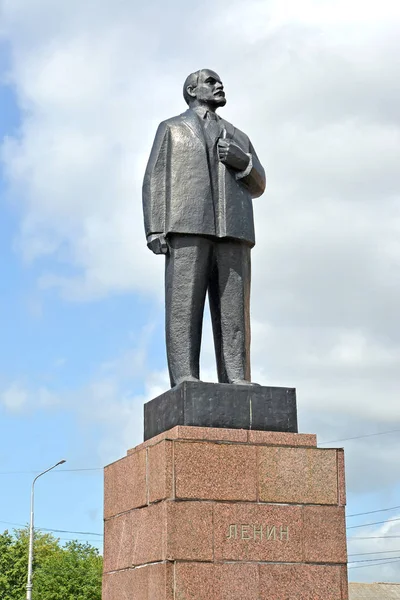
column 222, row 514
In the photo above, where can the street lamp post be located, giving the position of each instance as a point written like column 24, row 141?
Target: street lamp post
column 31, row 529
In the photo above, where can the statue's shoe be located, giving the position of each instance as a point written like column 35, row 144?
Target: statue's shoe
column 187, row 378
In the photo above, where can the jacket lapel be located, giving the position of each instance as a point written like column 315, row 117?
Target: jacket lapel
column 192, row 121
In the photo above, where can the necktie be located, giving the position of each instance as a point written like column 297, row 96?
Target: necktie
column 212, row 127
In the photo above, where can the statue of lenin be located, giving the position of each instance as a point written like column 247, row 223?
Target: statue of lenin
column 198, row 188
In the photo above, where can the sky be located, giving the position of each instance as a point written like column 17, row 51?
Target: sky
column 83, row 86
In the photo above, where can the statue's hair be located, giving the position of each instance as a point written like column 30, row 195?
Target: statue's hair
column 191, row 80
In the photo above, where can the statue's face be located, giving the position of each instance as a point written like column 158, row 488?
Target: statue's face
column 209, row 89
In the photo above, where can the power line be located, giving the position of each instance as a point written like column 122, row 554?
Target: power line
column 75, row 540
column 375, row 523
column 376, row 564
column 374, row 537
column 55, row 530
column 75, row 470
column 377, row 560
column 10, row 523
column 67, row 531
column 358, row 437
column 59, row 471
column 369, row 553
column 372, row 512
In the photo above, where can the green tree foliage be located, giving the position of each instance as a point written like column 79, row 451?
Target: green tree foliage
column 70, row 572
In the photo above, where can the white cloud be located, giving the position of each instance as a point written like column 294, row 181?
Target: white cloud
column 335, row 18
column 14, row 398
column 112, row 406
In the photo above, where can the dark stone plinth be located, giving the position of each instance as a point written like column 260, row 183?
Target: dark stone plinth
column 199, row 404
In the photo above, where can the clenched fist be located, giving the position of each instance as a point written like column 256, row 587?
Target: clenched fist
column 232, row 155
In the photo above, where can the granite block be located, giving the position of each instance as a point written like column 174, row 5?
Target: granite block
column 152, row 582
column 299, row 475
column 324, row 534
column 202, row 581
column 203, row 404
column 345, row 583
column 125, row 484
column 211, row 471
column 217, row 434
column 181, row 432
column 161, row 531
column 300, row 582
column 119, row 585
column 278, row 438
column 236, row 582
column 194, row 581
column 160, row 582
column 148, row 541
column 341, row 477
column 159, row 471
column 118, row 543
column 189, row 531
column 258, row 532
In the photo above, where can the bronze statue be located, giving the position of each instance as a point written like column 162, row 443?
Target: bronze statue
column 198, row 188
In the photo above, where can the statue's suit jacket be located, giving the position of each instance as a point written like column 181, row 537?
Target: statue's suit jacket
column 178, row 192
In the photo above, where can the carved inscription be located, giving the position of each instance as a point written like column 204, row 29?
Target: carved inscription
column 258, row 532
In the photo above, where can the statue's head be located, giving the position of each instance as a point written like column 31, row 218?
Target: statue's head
column 204, row 87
